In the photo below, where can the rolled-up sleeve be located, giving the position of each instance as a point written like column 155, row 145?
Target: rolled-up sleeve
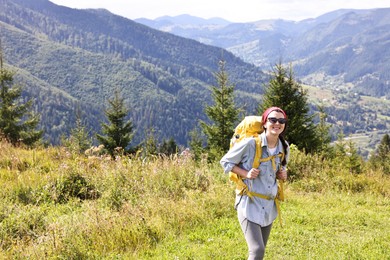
column 242, row 153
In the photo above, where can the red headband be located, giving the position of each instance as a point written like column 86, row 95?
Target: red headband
column 269, row 110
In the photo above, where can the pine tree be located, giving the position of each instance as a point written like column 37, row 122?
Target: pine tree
column 284, row 92
column 196, row 144
column 168, row 147
column 118, row 134
column 17, row 122
column 381, row 157
column 79, row 139
column 383, row 150
column 223, row 113
column 150, row 144
column 322, row 130
column 354, row 162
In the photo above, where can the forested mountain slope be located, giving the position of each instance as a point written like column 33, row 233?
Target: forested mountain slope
column 73, row 60
column 344, row 47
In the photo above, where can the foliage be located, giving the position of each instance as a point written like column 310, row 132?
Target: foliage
column 168, row 147
column 196, row 144
column 381, row 158
column 17, row 123
column 345, row 154
column 322, row 131
column 119, row 132
column 79, row 140
column 283, row 91
column 150, row 145
column 384, row 147
column 72, row 186
column 223, row 114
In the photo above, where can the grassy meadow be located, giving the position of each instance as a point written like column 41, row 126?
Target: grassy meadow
column 55, row 204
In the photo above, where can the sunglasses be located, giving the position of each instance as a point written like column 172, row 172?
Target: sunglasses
column 273, row 120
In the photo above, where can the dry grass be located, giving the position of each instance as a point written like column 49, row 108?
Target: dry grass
column 58, row 205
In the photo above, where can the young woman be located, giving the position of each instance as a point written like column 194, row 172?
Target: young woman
column 257, row 214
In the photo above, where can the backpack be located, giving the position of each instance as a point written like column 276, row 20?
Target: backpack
column 252, row 126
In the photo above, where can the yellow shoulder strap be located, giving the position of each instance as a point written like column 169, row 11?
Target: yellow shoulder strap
column 256, row 162
column 259, row 152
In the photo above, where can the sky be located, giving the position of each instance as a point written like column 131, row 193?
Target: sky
column 231, row 10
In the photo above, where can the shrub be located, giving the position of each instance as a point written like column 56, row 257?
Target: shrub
column 72, row 186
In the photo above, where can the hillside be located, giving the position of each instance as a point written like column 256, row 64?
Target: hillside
column 342, row 57
column 73, row 60
column 351, row 45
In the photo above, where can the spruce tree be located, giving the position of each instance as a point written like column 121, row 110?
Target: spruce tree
column 196, row 144
column 223, row 114
column 150, row 145
column 323, row 135
column 17, row 122
column 284, row 92
column 78, row 140
column 168, row 147
column 381, row 157
column 353, row 161
column 118, row 133
column 383, row 150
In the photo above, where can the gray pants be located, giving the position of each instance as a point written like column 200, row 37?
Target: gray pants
column 256, row 237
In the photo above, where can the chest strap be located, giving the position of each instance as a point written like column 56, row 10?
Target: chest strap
column 272, row 159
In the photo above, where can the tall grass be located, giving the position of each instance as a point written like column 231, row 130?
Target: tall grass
column 59, row 205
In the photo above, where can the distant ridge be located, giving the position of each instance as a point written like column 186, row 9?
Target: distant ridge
column 341, row 44
column 186, row 19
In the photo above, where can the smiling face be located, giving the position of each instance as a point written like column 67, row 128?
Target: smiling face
column 274, row 128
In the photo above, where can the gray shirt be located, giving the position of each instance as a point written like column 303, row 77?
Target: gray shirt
column 257, row 210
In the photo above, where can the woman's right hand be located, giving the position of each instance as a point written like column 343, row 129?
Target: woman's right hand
column 253, row 173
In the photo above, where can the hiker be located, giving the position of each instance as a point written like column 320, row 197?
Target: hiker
column 257, row 207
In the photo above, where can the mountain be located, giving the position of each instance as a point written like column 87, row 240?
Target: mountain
column 354, row 47
column 182, row 21
column 72, row 61
column 349, row 46
column 187, row 26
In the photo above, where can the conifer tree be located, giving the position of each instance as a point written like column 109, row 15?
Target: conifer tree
column 118, row 133
column 196, row 144
column 383, row 150
column 150, row 144
column 17, row 122
column 322, row 131
column 381, row 157
column 79, row 139
column 346, row 154
column 223, row 114
column 353, row 161
column 168, row 147
column 284, row 92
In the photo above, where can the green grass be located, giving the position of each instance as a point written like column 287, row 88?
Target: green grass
column 58, row 205
column 316, row 226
